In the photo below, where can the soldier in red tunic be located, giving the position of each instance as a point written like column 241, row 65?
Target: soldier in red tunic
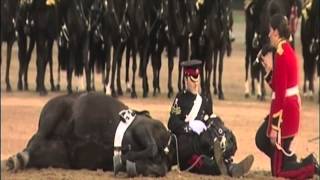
column 281, row 125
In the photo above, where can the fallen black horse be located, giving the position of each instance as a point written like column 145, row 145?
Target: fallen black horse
column 78, row 131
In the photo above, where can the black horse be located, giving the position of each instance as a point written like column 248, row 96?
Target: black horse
column 8, row 32
column 77, row 131
column 310, row 44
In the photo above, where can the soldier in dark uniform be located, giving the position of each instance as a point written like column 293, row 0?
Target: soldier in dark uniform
column 189, row 111
column 281, row 125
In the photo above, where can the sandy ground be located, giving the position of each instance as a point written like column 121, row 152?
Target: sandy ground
column 20, row 112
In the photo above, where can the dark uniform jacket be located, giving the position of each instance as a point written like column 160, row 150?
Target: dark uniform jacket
column 181, row 107
column 285, row 105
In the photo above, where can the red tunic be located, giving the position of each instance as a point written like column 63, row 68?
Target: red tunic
column 285, row 76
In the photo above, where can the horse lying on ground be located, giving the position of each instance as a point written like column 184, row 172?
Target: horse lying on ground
column 78, row 131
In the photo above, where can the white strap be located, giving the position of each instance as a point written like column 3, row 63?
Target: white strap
column 195, row 109
column 128, row 115
column 289, row 92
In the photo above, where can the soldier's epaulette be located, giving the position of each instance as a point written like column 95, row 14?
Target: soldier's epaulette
column 280, row 48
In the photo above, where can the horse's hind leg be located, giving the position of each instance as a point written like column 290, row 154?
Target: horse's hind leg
column 50, row 153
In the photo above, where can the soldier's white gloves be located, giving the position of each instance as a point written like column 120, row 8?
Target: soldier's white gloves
column 197, row 126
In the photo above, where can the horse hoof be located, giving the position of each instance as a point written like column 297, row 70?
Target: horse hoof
column 53, row 89
column 145, row 94
column 26, row 87
column 262, row 98
column 19, row 86
column 246, row 95
column 113, row 94
column 58, row 87
column 131, row 168
column 9, row 89
column 120, row 93
column 221, row 96
column 133, row 95
column 117, row 164
column 43, row 93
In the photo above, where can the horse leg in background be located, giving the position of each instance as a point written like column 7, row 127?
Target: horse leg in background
column 144, row 60
column 106, row 83
column 113, row 70
column 42, row 48
column 156, row 66
column 208, row 67
column 27, row 61
column 215, row 59
column 49, row 56
column 22, row 51
column 247, row 65
column 263, row 88
column 170, row 69
column 70, row 72
column 119, row 61
column 220, row 91
column 9, row 50
column 128, row 50
column 85, row 53
column 134, row 69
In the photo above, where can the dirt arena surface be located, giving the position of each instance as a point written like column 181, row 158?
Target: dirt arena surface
column 20, row 112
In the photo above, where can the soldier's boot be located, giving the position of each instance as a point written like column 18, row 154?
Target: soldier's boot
column 311, row 159
column 241, row 168
column 218, row 156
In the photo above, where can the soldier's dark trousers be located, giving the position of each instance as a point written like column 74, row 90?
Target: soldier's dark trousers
column 282, row 165
column 205, row 165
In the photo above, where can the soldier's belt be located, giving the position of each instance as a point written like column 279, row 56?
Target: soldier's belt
column 289, row 92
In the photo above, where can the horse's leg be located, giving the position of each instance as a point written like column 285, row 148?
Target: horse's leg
column 49, row 56
column 144, row 63
column 48, row 153
column 128, row 50
column 9, row 50
column 208, row 69
column 263, row 89
column 134, row 69
column 70, row 72
column 146, row 168
column 41, row 63
column 155, row 69
column 22, row 48
column 215, row 59
column 220, row 91
column 27, row 61
column 107, row 77
column 113, row 70
column 122, row 46
column 158, row 60
column 170, row 69
column 247, row 63
column 85, row 53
